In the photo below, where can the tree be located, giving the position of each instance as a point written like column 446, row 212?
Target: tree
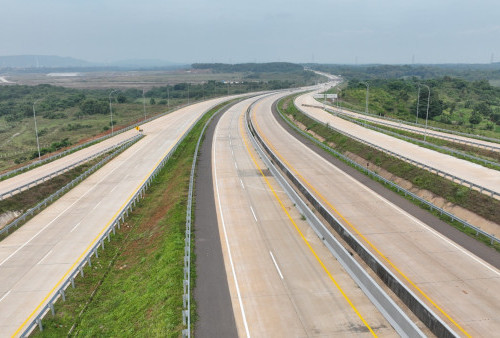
column 121, row 98
column 152, row 101
column 435, row 104
column 475, row 118
column 93, row 106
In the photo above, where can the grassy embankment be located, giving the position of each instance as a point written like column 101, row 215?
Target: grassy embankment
column 475, row 151
column 471, row 200
column 135, row 288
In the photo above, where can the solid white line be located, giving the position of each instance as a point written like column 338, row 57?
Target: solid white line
column 5, row 295
column 276, row 264
column 41, row 260
column 97, row 205
column 411, row 217
column 235, row 165
column 253, row 213
column 242, row 185
column 226, row 239
column 76, row 226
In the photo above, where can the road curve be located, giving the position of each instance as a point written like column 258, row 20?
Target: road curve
column 38, row 256
column 472, row 172
column 453, row 282
column 277, row 284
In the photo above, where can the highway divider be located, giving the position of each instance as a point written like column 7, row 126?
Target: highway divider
column 34, row 210
column 35, row 319
column 186, row 298
column 379, row 298
column 439, row 172
column 454, row 152
column 63, row 170
column 448, row 131
column 398, row 188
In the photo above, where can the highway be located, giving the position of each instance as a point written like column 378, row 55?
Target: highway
column 34, row 174
column 457, row 285
column 421, row 130
column 35, row 259
column 282, row 279
column 463, row 169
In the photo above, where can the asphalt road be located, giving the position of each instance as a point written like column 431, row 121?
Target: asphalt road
column 272, row 258
column 463, row 169
column 453, row 282
column 36, row 258
column 213, row 301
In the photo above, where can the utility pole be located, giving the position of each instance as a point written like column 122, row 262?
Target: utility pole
column 36, row 131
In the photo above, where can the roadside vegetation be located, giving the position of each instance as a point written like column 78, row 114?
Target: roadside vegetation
column 480, row 204
column 135, row 286
column 490, row 155
column 68, row 116
column 471, row 107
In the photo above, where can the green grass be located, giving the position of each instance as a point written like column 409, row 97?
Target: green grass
column 135, row 287
column 472, row 200
column 481, row 152
column 27, row 199
column 454, row 193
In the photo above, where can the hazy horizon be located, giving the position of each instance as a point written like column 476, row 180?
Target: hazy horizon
column 338, row 31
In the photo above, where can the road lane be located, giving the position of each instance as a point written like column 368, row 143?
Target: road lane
column 458, row 282
column 278, row 287
column 34, row 174
column 62, row 233
column 472, row 172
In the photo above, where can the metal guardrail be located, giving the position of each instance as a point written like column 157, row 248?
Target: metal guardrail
column 119, row 219
column 438, row 172
column 398, row 188
column 32, row 211
column 403, row 325
column 28, row 185
column 448, row 131
column 186, row 297
column 364, row 123
column 91, row 142
column 419, row 308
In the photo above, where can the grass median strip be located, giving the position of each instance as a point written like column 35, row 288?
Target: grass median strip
column 135, row 287
column 471, row 200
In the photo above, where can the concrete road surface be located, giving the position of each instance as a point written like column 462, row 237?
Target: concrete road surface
column 52, row 167
column 277, row 284
column 455, row 284
column 472, row 172
column 35, row 259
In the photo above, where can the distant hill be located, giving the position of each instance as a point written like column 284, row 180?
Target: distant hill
column 40, row 61
column 269, row 67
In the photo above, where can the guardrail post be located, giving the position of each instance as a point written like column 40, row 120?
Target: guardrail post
column 73, row 282
column 63, row 295
column 51, row 305
column 39, row 322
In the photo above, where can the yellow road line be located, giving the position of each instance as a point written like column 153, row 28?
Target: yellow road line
column 362, row 236
column 96, row 238
column 300, row 232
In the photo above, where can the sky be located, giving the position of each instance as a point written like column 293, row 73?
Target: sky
column 234, row 31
